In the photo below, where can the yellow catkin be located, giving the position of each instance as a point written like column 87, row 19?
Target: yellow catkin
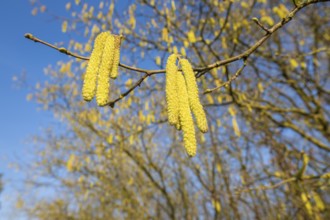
column 70, row 163
column 89, row 86
column 307, row 203
column 186, row 120
column 103, row 81
column 116, row 58
column 172, row 91
column 194, row 102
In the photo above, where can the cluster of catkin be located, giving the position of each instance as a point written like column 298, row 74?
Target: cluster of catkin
column 183, row 100
column 103, row 65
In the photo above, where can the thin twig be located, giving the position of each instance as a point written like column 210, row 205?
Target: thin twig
column 60, row 49
column 138, row 83
column 238, row 72
column 256, row 20
column 67, row 52
column 276, row 185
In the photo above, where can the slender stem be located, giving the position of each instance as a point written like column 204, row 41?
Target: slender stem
column 238, row 72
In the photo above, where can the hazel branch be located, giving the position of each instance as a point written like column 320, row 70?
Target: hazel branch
column 281, row 183
column 60, row 49
column 199, row 71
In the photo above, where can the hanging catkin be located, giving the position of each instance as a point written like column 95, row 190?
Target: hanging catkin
column 171, row 90
column 194, row 102
column 116, row 57
column 89, row 86
column 186, row 120
column 103, row 81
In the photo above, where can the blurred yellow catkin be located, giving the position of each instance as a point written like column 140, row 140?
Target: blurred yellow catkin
column 194, row 102
column 116, row 57
column 171, row 90
column 186, row 120
column 70, row 163
column 103, row 81
column 307, row 203
column 89, row 86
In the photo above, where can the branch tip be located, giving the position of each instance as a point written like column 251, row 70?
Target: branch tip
column 256, row 20
column 28, row 36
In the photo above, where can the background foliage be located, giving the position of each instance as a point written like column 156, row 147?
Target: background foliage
column 266, row 155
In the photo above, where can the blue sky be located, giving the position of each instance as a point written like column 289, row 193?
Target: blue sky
column 20, row 119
